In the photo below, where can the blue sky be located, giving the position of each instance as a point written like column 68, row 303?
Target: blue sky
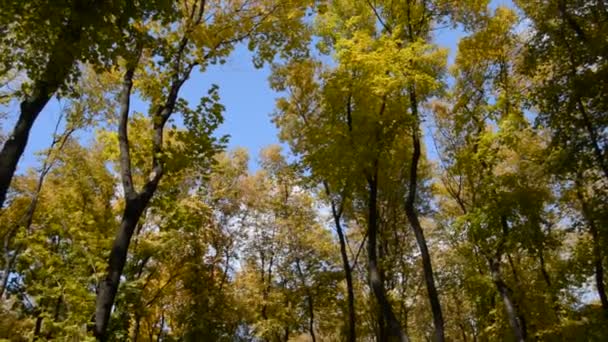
column 244, row 92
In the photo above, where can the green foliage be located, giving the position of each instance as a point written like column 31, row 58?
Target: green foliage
column 38, row 32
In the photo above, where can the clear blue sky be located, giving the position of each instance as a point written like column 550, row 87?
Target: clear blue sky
column 244, row 92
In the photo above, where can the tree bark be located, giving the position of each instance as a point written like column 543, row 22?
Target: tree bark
column 599, row 268
column 505, row 295
column 518, row 288
column 395, row 333
column 9, row 262
column 137, row 327
column 311, row 323
column 136, row 202
column 599, row 154
column 309, row 299
column 412, row 217
column 118, row 256
column 337, row 215
column 38, row 327
column 549, row 283
column 597, row 251
column 61, row 61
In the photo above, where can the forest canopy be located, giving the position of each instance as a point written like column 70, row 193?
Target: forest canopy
column 414, row 193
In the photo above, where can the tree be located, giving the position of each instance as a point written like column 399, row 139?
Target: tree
column 46, row 40
column 569, row 91
column 291, row 266
column 493, row 167
column 374, row 61
column 194, row 42
column 60, row 252
column 74, row 116
column 137, row 225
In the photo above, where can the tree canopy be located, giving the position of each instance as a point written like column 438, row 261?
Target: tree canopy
column 416, row 196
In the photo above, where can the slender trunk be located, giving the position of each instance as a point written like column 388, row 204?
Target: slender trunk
column 162, row 327
column 57, row 307
column 518, row 288
column 570, row 22
column 15, row 144
column 137, row 326
column 311, row 322
column 350, row 297
column 543, row 268
column 38, row 327
column 267, row 288
column 599, row 154
column 352, row 334
column 505, row 295
column 118, row 257
column 599, row 268
column 549, row 283
column 463, row 332
column 56, row 70
column 9, row 262
column 381, row 326
column 309, row 299
column 136, row 202
column 56, row 311
column 597, row 252
column 412, row 217
column 28, row 218
column 395, row 332
column 428, row 275
column 134, row 207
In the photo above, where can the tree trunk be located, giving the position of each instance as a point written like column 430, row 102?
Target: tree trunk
column 381, row 334
column 395, row 333
column 597, row 251
column 137, row 327
column 505, row 295
column 162, row 327
column 518, row 288
column 311, row 308
column 311, row 323
column 136, row 202
column 15, row 144
column 350, row 295
column 549, row 283
column 118, row 257
column 599, row 268
column 38, row 327
column 595, row 141
column 134, row 206
column 337, row 214
column 412, row 217
column 463, row 332
column 57, row 69
column 428, row 274
column 9, row 262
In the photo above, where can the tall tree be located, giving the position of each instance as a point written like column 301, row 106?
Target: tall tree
column 194, row 41
column 492, row 154
column 569, row 90
column 46, row 40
